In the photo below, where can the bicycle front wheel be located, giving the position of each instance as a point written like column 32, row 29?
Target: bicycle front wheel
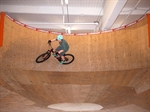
column 43, row 57
column 69, row 58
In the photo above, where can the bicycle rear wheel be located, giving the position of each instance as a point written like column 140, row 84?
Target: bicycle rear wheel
column 69, row 58
column 43, row 57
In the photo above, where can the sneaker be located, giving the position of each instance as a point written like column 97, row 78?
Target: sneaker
column 54, row 55
column 63, row 61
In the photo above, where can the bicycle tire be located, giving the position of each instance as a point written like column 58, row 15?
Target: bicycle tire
column 43, row 57
column 69, row 59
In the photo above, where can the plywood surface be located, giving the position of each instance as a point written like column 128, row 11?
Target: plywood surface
column 111, row 69
column 111, row 89
column 120, row 50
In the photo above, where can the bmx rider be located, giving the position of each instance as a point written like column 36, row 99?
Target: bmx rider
column 62, row 49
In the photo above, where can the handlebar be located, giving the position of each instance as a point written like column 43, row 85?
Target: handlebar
column 52, row 48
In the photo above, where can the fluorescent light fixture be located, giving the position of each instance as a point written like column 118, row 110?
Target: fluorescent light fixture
column 62, row 2
column 69, row 30
column 66, row 1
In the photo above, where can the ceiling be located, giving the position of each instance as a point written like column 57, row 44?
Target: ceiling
column 82, row 16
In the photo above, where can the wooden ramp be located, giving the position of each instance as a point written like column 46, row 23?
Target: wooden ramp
column 110, row 69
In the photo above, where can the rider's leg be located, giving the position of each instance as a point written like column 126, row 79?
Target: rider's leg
column 56, row 51
column 62, row 56
column 61, row 52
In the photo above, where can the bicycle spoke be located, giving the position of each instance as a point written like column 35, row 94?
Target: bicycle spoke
column 42, row 57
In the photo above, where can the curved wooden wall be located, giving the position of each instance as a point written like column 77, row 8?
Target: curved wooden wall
column 119, row 50
column 118, row 63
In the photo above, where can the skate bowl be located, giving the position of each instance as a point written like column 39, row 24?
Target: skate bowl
column 110, row 69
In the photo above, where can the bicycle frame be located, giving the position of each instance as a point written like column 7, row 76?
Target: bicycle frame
column 51, row 48
column 52, row 51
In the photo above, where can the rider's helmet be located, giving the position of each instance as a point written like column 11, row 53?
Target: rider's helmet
column 59, row 37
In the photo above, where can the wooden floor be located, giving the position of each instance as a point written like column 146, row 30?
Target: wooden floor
column 110, row 69
column 110, row 89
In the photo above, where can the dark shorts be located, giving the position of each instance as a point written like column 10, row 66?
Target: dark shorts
column 60, row 48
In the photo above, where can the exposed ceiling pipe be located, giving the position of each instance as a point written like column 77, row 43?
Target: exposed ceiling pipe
column 66, row 1
column 62, row 23
column 67, row 13
column 131, row 12
column 62, row 4
column 147, row 11
column 68, row 27
column 99, row 18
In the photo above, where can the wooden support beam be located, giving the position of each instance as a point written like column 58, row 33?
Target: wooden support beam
column 2, row 14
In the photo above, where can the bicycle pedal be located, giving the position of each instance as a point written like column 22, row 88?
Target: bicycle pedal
column 54, row 55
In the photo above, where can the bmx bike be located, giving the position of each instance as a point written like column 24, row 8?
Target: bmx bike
column 69, row 58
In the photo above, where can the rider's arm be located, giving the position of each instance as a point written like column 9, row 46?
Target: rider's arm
column 53, row 40
column 49, row 41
